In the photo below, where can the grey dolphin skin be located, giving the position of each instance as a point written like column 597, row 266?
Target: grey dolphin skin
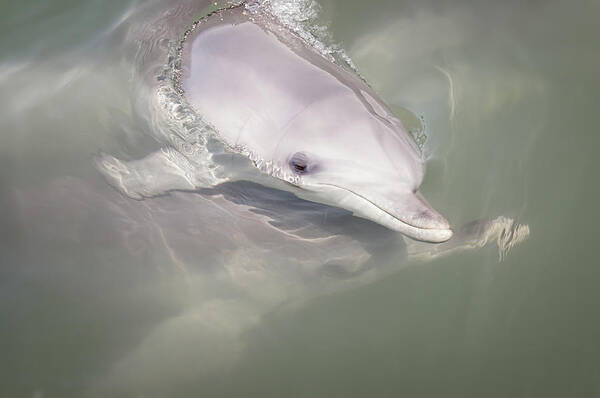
column 300, row 118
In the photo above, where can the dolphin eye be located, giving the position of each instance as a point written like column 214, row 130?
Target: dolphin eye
column 299, row 163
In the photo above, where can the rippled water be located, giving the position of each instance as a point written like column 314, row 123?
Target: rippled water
column 247, row 291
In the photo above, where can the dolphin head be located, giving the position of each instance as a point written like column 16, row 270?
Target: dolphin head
column 304, row 119
column 357, row 156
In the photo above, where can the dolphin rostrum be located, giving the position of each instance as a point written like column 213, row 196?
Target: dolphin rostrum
column 297, row 116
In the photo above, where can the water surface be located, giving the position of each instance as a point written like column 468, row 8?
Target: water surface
column 187, row 295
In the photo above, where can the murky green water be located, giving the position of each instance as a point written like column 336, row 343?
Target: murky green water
column 102, row 296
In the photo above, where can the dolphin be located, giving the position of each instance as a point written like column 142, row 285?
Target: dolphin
column 209, row 264
column 299, row 117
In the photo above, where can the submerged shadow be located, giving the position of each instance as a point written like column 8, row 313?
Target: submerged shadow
column 301, row 217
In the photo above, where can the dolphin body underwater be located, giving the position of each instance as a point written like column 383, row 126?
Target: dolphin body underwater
column 244, row 243
column 311, row 127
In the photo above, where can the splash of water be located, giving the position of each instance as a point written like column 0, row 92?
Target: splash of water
column 302, row 18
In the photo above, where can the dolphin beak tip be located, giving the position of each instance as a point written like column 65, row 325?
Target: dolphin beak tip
column 441, row 223
column 446, row 235
column 434, row 227
column 430, row 235
column 429, row 219
column 443, row 229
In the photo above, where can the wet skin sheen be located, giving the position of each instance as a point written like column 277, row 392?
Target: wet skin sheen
column 311, row 122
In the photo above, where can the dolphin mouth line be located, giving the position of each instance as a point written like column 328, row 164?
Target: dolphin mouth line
column 384, row 210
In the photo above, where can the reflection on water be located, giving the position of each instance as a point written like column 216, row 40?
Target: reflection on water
column 248, row 290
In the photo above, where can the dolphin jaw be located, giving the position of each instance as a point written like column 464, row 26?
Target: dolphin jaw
column 424, row 234
column 426, row 225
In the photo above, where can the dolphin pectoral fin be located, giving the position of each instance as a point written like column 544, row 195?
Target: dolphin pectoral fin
column 156, row 174
column 503, row 230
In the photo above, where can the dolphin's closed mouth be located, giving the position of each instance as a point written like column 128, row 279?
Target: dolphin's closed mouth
column 425, row 224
